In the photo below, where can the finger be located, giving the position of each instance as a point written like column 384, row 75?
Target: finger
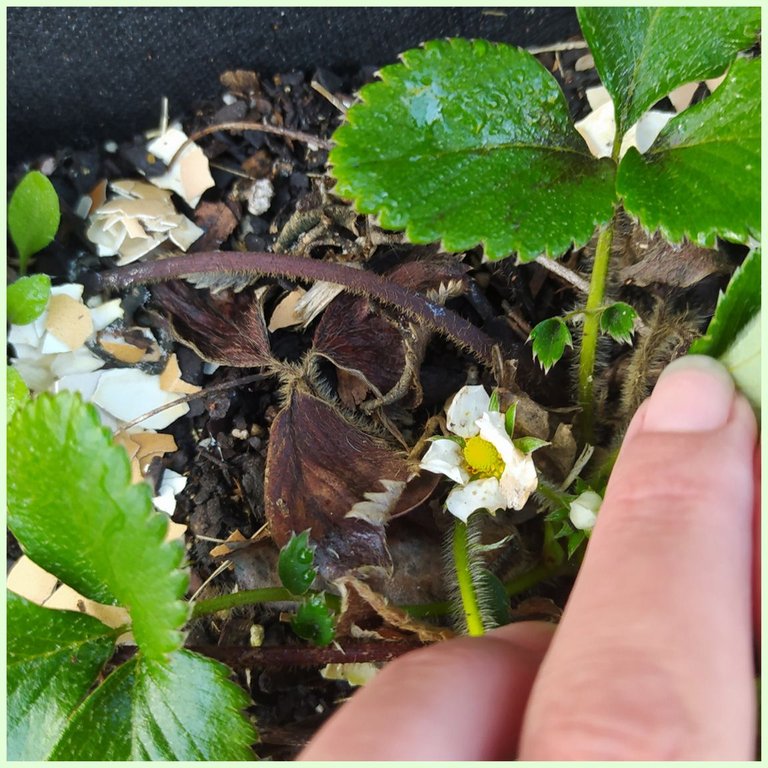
column 756, row 591
column 653, row 657
column 460, row 700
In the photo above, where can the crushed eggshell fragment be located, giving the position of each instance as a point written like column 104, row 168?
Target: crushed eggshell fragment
column 260, row 196
column 355, row 673
column 171, row 485
column 284, row 314
column 171, row 381
column 189, row 176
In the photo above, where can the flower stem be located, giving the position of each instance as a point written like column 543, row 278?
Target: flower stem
column 464, row 578
column 250, row 597
column 591, row 331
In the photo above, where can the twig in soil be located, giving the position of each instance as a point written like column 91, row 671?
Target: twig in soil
column 286, row 133
column 277, row 265
column 571, row 45
column 328, row 96
column 223, row 567
column 574, row 278
column 212, row 390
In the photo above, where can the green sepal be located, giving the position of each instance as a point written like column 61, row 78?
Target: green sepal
column 493, row 403
column 53, row 659
column 313, row 621
column 529, row 444
column 550, row 338
column 33, row 216
column 27, row 298
column 470, row 142
column 644, row 53
column 509, row 419
column 618, row 321
column 294, row 565
column 575, row 540
column 460, row 441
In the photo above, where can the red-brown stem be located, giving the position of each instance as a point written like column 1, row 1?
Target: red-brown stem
column 357, row 281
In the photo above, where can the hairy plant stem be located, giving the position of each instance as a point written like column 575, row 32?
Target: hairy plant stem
column 357, row 281
column 251, row 597
column 591, row 331
column 464, row 578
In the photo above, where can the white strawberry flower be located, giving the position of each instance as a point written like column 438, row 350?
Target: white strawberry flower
column 583, row 510
column 489, row 470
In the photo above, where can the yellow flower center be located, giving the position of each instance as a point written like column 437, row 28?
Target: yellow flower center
column 483, row 459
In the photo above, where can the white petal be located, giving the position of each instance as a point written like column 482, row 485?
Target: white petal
column 491, row 427
column 463, row 500
column 444, row 458
column 467, row 406
column 519, row 480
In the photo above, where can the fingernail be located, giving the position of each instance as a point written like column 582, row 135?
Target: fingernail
column 693, row 394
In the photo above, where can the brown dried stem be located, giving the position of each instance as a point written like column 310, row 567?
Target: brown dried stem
column 278, row 265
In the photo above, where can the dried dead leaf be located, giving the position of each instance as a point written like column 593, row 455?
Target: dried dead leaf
column 241, row 82
column 218, row 222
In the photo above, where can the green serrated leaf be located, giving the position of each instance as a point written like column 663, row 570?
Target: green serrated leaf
column 493, row 600
column 529, row 444
column 313, row 621
column 509, row 419
column 184, row 709
column 735, row 308
column 53, row 659
column 618, row 321
column 550, row 338
column 642, row 53
column 33, row 216
column 701, row 178
column 295, row 564
column 471, row 142
column 27, row 298
column 74, row 510
column 17, row 390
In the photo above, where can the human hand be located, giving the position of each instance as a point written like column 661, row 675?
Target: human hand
column 653, row 657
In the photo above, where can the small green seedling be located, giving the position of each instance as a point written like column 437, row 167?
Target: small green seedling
column 33, row 216
column 27, row 298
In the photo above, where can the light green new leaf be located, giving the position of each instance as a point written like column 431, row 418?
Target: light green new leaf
column 643, row 53
column 17, row 391
column 27, row 298
column 471, row 142
column 701, row 177
column 74, row 510
column 185, row 709
column 53, row 660
column 313, row 621
column 744, row 361
column 33, row 216
column 550, row 338
column 294, row 566
column 618, row 321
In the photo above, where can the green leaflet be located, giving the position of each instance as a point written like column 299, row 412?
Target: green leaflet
column 53, row 659
column 550, row 338
column 184, row 709
column 701, row 177
column 471, row 142
column 27, row 298
column 313, row 621
column 618, row 321
column 74, row 510
column 643, row 53
column 33, row 216
column 294, row 565
column 17, row 391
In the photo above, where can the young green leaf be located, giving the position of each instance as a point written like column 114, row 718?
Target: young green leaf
column 17, row 391
column 27, row 298
column 33, row 216
column 313, row 621
column 550, row 338
column 466, row 142
column 53, row 659
column 735, row 308
column 744, row 360
column 295, row 564
column 181, row 709
column 74, row 510
column 529, row 444
column 618, row 321
column 701, row 177
column 642, row 53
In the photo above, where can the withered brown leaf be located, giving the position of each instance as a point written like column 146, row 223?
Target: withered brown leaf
column 226, row 328
column 218, row 220
column 320, row 468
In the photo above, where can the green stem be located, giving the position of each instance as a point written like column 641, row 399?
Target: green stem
column 591, row 330
column 251, row 597
column 464, row 578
